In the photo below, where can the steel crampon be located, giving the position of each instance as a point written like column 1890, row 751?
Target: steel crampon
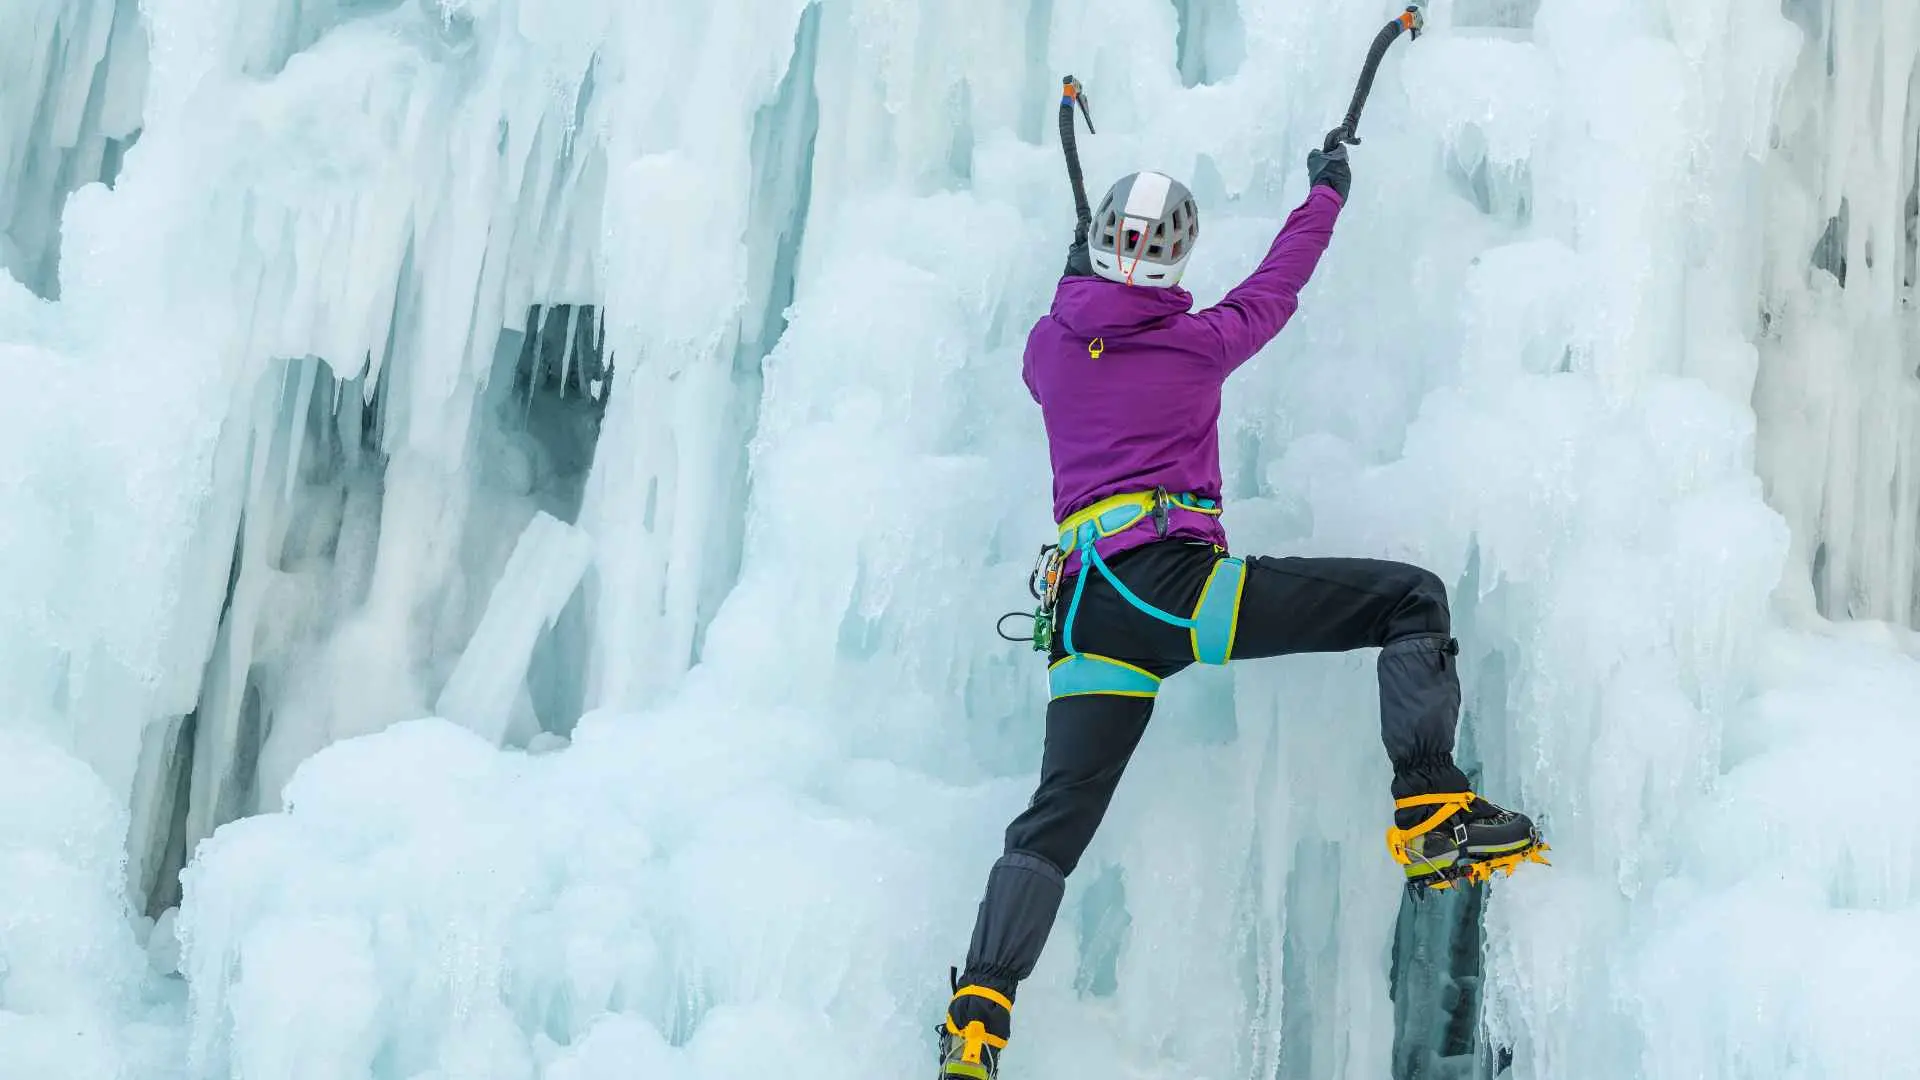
column 1481, row 871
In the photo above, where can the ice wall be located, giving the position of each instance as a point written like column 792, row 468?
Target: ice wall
column 720, row 307
column 76, row 71
column 76, row 999
column 1840, row 335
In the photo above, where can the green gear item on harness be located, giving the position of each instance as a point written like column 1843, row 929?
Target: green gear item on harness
column 1211, row 626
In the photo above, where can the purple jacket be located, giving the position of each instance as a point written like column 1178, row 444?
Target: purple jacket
column 1146, row 412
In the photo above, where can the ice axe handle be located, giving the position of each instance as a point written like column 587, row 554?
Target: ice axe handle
column 1071, row 94
column 1410, row 22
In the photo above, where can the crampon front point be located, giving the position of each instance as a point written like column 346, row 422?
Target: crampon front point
column 1475, row 873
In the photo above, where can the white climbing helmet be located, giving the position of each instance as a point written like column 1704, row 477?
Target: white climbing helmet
column 1145, row 230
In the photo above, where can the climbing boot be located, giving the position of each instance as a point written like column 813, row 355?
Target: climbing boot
column 1444, row 839
column 979, row 1020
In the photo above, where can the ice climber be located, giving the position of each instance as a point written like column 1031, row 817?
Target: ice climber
column 1141, row 585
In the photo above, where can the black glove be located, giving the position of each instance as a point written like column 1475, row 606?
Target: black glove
column 1079, row 259
column 1328, row 165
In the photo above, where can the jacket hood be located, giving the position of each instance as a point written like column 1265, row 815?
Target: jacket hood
column 1094, row 306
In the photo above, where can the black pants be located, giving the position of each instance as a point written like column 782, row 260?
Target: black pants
column 1287, row 606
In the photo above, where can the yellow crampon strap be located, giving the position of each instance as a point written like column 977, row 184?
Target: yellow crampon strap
column 975, row 1034
column 1474, row 871
column 1449, row 805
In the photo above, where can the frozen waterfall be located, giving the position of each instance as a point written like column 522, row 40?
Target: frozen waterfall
column 505, row 506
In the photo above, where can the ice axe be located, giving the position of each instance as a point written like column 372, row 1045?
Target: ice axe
column 1071, row 94
column 1411, row 22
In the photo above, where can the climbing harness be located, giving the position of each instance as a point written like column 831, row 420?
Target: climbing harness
column 1424, row 873
column 1081, row 532
column 1409, row 22
column 1210, row 627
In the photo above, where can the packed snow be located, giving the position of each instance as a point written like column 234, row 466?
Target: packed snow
column 506, row 505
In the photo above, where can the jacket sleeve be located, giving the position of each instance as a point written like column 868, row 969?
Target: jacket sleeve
column 1256, row 310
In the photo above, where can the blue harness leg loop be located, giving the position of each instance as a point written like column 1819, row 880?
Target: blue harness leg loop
column 1217, row 615
column 1085, row 673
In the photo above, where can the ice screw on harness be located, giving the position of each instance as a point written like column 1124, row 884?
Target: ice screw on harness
column 1410, row 22
column 1044, row 584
